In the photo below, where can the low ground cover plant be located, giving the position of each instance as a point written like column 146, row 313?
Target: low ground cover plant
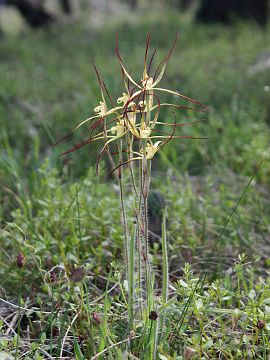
column 56, row 299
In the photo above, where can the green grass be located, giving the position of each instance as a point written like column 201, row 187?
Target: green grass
column 61, row 217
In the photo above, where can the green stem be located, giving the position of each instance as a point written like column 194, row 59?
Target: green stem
column 107, row 148
column 19, row 314
column 131, row 282
column 131, row 167
column 165, row 273
column 123, row 210
column 145, row 179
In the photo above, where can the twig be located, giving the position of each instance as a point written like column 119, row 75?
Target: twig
column 66, row 334
column 9, row 326
column 112, row 346
column 102, row 296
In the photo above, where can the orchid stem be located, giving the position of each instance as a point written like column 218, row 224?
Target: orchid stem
column 123, row 210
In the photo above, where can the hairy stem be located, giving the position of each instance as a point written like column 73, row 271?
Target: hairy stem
column 123, row 210
column 131, row 279
column 145, row 182
column 165, row 274
column 131, row 167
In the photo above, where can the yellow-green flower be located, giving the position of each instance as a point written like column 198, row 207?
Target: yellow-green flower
column 136, row 115
column 101, row 109
column 145, row 131
column 119, row 129
column 151, row 149
column 123, row 99
column 147, row 82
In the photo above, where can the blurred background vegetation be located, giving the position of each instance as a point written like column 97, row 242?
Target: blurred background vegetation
column 48, row 85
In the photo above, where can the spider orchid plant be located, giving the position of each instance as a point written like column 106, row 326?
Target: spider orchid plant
column 132, row 133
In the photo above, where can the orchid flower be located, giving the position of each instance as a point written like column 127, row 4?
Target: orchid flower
column 136, row 115
column 151, row 149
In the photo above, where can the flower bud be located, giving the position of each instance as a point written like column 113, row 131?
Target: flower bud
column 260, row 324
column 77, row 274
column 153, row 315
column 96, row 318
column 188, row 353
column 53, row 277
column 20, row 260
